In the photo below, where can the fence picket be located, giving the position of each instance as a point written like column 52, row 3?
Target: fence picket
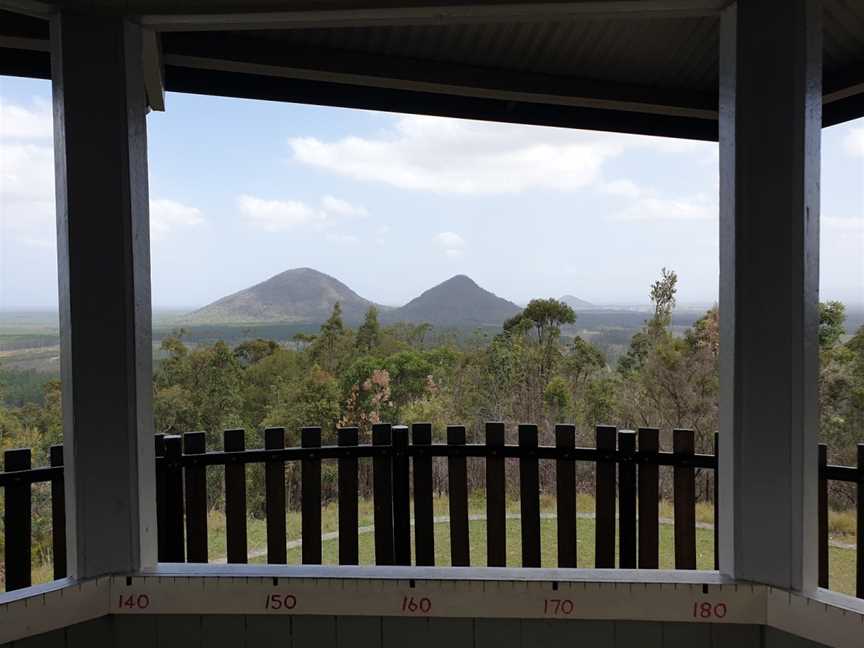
column 604, row 537
column 235, row 498
column 496, row 519
column 196, row 500
column 161, row 504
column 684, row 494
column 274, row 498
column 175, row 550
column 401, row 497
column 310, row 498
column 627, row 500
column 859, row 563
column 716, row 501
column 382, row 494
column 565, row 497
column 529, row 495
column 457, row 483
column 822, row 516
column 58, row 514
column 17, row 502
column 649, row 497
column 424, row 524
column 349, row 542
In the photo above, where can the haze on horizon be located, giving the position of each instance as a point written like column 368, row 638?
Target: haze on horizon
column 392, row 205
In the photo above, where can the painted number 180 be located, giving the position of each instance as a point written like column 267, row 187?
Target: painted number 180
column 706, row 610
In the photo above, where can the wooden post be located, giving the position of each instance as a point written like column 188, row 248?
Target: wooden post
column 235, row 499
column 310, row 498
column 565, row 496
column 382, row 494
column 401, row 497
column 529, row 495
column 496, row 508
column 649, row 497
column 195, row 443
column 684, row 493
column 627, row 499
column 457, row 483
column 58, row 515
column 349, row 541
column 424, row 523
column 174, row 549
column 604, row 540
column 274, row 498
column 859, row 561
column 17, row 501
column 822, row 515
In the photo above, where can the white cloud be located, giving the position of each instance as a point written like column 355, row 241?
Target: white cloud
column 844, row 224
column 472, row 157
column 451, row 243
column 340, row 207
column 854, row 142
column 169, row 215
column 22, row 122
column 285, row 215
column 646, row 204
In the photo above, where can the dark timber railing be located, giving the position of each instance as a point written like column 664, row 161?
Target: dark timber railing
column 626, row 490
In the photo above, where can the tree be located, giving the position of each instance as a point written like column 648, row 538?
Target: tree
column 832, row 317
column 663, row 297
column 369, row 333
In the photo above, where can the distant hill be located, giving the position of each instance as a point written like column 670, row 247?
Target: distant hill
column 577, row 304
column 459, row 301
column 298, row 295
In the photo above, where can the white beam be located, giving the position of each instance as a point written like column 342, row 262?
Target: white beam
column 770, row 129
column 103, row 248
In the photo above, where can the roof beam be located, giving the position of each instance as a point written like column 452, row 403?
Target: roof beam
column 153, row 69
column 442, row 13
column 273, row 59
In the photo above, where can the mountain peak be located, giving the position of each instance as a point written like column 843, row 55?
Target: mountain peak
column 577, row 304
column 458, row 301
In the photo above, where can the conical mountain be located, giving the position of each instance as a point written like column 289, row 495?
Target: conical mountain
column 298, row 295
column 577, row 304
column 459, row 301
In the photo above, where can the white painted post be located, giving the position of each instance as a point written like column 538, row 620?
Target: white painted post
column 104, row 268
column 770, row 129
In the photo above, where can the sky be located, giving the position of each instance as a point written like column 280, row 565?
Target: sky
column 391, row 204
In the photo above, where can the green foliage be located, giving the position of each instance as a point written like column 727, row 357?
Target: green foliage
column 832, row 316
column 369, row 333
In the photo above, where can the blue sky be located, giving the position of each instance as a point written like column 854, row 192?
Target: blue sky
column 391, row 205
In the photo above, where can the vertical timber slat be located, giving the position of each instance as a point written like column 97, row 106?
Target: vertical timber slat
column 716, row 480
column 382, row 495
column 683, row 446
column 349, row 543
column 194, row 443
column 604, row 539
column 565, row 481
column 529, row 495
column 310, row 498
column 424, row 523
column 822, row 516
column 627, row 500
column 401, row 497
column 235, row 498
column 859, row 565
column 174, row 551
column 161, row 504
column 496, row 520
column 649, row 496
column 17, row 500
column 274, row 498
column 58, row 514
column 457, row 483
